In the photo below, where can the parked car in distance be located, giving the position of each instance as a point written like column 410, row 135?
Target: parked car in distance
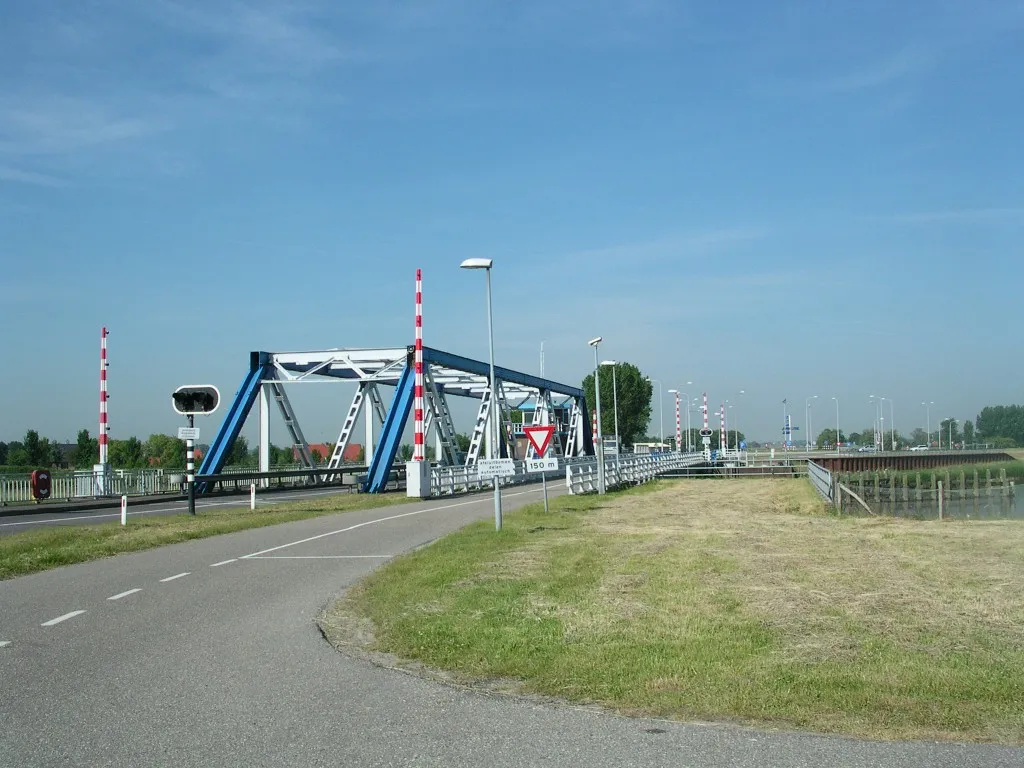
column 867, row 449
column 919, row 448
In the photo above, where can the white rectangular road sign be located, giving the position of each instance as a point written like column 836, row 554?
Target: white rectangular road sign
column 188, row 433
column 542, row 465
column 492, row 467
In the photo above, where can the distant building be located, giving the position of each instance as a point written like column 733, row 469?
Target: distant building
column 326, row 450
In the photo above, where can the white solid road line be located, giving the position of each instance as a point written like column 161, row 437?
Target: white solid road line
column 172, row 578
column 4, row 643
column 223, row 562
column 374, row 522
column 177, row 506
column 117, row 514
column 59, row 619
column 119, row 595
column 320, row 557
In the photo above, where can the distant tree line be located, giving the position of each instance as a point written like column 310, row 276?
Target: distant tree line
column 158, row 451
column 1000, row 426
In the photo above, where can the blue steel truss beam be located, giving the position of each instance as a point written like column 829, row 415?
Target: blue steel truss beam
column 391, row 433
column 479, row 368
column 220, row 447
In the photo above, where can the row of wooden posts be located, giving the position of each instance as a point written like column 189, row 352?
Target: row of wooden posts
column 884, row 488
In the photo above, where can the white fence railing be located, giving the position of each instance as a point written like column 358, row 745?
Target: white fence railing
column 580, row 473
column 582, row 476
column 821, row 479
column 86, row 484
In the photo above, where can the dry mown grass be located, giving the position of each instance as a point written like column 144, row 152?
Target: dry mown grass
column 738, row 600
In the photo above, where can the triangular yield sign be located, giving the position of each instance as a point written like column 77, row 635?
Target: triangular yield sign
column 540, row 438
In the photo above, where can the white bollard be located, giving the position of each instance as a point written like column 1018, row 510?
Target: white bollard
column 124, row 510
column 252, row 496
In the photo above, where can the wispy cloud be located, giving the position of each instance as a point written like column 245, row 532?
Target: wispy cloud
column 29, row 177
column 675, row 246
column 883, row 70
column 1009, row 213
column 125, row 87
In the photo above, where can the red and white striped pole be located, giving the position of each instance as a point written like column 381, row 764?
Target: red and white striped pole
column 705, row 410
column 594, row 432
column 103, row 396
column 721, row 440
column 679, row 425
column 418, row 453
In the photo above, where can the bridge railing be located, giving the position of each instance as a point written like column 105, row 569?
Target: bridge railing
column 582, row 477
column 822, row 481
column 86, row 484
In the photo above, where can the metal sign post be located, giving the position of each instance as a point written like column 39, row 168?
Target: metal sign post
column 188, row 401
column 540, row 439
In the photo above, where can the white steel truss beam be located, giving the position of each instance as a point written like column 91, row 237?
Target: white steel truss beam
column 291, row 422
column 479, row 429
column 346, row 429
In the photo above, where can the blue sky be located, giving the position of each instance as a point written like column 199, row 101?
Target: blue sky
column 789, row 198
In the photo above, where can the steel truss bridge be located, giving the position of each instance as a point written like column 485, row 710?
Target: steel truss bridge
column 391, row 371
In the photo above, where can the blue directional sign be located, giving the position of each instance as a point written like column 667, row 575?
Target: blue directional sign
column 743, row 445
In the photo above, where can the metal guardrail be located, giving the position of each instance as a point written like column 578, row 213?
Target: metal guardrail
column 582, row 477
column 448, row 481
column 85, row 484
column 293, row 478
column 822, row 481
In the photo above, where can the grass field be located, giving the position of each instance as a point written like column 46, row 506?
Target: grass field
column 739, row 601
column 43, row 548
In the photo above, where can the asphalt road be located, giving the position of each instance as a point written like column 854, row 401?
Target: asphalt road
column 41, row 519
column 206, row 654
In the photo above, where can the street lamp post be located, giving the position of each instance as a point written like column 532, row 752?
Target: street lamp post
column 879, row 420
column 599, row 446
column 807, row 420
column 928, row 418
column 837, row 423
column 615, row 403
column 487, row 264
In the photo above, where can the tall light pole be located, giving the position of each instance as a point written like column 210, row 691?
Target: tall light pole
column 881, row 412
column 837, row 424
column 615, row 402
column 599, row 446
column 879, row 420
column 928, row 417
column 807, row 420
column 689, row 446
column 493, row 443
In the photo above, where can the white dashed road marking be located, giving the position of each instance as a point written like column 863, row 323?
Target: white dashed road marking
column 177, row 576
column 4, row 643
column 223, row 562
column 59, row 619
column 119, row 595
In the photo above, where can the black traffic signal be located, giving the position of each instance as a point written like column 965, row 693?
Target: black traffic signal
column 195, row 399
